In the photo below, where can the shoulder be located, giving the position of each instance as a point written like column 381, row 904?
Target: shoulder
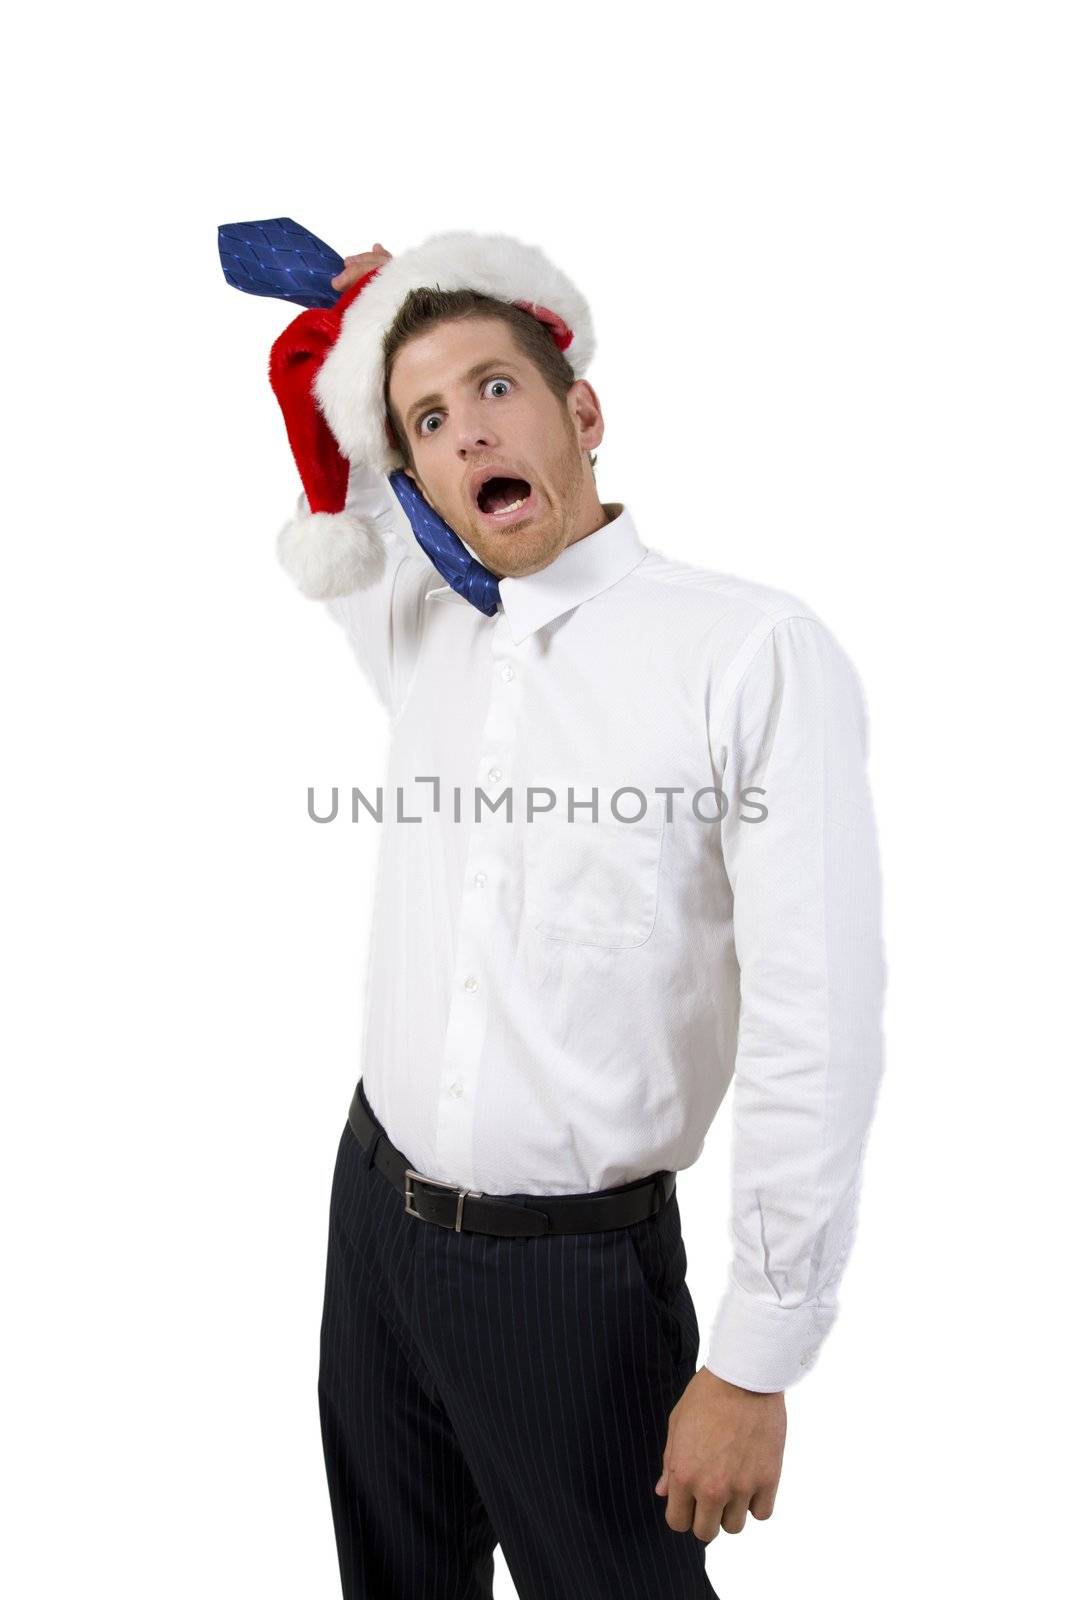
column 734, row 613
column 741, row 630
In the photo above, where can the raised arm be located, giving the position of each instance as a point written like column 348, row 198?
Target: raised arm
column 358, row 559
column 383, row 619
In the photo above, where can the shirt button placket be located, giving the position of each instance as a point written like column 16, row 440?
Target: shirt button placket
column 478, row 938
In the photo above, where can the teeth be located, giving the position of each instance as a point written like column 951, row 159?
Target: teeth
column 514, row 506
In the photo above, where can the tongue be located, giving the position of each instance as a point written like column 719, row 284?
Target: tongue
column 502, row 492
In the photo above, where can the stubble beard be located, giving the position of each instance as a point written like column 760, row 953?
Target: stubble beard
column 565, row 475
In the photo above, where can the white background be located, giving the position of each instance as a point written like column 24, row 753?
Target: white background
column 823, row 246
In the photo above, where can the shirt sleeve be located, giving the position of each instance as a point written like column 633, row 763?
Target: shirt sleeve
column 383, row 622
column 806, row 886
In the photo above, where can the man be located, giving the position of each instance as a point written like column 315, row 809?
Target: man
column 686, row 890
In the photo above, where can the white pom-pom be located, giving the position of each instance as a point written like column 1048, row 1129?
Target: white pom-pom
column 330, row 553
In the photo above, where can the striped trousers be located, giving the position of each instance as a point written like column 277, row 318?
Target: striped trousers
column 476, row 1391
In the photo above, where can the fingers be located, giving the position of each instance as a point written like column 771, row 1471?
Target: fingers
column 734, row 1514
column 707, row 1520
column 704, row 1513
column 763, row 1503
column 358, row 266
column 664, row 1477
column 681, row 1505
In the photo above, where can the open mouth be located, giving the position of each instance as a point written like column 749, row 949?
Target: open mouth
column 503, row 499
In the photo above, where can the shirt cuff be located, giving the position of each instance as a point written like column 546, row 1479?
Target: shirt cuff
column 765, row 1347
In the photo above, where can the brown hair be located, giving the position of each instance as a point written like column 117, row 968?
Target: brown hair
column 424, row 307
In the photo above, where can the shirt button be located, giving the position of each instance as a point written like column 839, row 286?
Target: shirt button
column 471, row 983
column 507, row 672
column 495, row 774
column 480, row 879
column 455, row 1088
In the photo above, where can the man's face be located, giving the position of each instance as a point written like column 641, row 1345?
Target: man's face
column 486, row 431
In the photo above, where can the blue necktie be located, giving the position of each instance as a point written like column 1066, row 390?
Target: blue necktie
column 449, row 555
column 279, row 258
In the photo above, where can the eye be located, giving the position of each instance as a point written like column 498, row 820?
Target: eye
column 429, row 415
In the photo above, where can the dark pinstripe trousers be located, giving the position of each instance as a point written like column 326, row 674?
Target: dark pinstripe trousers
column 476, row 1391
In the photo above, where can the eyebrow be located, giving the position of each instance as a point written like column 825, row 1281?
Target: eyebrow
column 468, row 377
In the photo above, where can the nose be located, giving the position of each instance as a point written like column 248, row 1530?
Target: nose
column 473, row 434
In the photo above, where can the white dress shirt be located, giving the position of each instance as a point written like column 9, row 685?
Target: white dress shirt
column 555, row 1006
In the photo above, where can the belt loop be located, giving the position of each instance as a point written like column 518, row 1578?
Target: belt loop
column 368, row 1154
column 661, row 1191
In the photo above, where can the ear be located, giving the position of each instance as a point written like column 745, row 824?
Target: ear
column 584, row 408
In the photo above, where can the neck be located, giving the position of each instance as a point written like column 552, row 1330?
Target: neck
column 600, row 519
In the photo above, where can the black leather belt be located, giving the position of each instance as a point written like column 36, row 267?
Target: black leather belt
column 472, row 1211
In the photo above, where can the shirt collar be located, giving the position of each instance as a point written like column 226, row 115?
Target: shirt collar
column 580, row 571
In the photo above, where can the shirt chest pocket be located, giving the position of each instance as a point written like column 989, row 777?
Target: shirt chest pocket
column 595, row 882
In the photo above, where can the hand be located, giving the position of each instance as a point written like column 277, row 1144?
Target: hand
column 357, row 267
column 723, row 1456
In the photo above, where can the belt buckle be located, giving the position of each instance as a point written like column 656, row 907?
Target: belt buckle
column 409, row 1195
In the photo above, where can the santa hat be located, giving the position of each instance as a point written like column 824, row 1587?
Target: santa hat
column 328, row 372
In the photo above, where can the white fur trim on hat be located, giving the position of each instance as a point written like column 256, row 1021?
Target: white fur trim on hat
column 350, row 383
column 330, row 553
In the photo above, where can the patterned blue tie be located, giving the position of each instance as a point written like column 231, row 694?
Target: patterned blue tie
column 449, row 555
column 279, row 258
